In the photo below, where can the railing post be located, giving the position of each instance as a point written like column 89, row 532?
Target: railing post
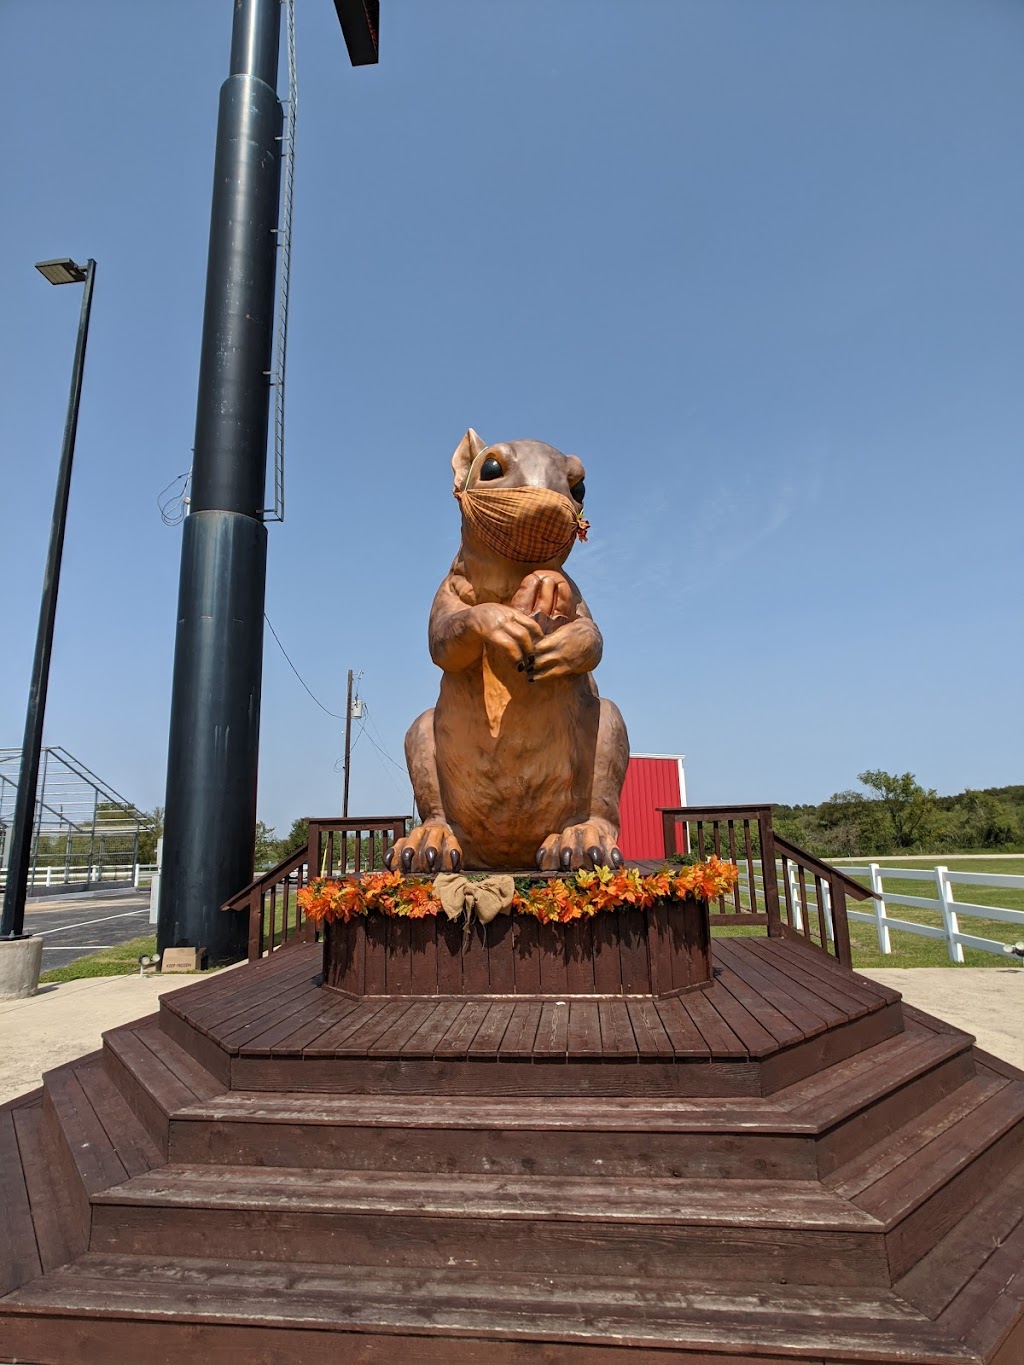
column 668, row 833
column 884, row 941
column 768, row 872
column 949, row 915
column 840, row 922
column 255, row 924
column 313, row 852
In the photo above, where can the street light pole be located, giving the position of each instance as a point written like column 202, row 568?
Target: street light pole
column 13, row 923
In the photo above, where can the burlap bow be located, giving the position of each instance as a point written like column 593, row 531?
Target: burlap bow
column 485, row 899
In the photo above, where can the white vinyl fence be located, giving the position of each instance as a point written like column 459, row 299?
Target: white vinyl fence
column 944, row 901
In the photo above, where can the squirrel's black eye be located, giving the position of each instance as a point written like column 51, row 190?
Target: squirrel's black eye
column 491, row 469
column 579, row 490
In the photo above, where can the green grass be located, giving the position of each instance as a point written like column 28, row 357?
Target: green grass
column 910, row 950
column 121, row 960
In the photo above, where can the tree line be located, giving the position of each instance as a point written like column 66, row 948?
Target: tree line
column 896, row 814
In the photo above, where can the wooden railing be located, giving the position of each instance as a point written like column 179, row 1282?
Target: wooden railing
column 336, row 846
column 767, row 863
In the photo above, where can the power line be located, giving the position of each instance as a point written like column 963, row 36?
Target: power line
column 281, row 647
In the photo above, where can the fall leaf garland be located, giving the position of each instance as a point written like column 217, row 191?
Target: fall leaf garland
column 579, row 895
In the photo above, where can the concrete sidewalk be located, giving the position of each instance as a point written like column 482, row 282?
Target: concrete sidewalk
column 67, row 1020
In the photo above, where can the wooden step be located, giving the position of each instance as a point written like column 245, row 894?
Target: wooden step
column 97, row 1140
column 737, row 1230
column 930, row 1174
column 37, row 1222
column 849, row 1106
column 972, row 1282
column 123, row 1309
column 155, row 1076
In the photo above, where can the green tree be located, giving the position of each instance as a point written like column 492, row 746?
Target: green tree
column 911, row 811
column 265, row 853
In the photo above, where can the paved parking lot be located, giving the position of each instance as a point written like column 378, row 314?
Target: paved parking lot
column 74, row 926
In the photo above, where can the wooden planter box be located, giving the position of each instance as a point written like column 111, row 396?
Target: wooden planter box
column 661, row 951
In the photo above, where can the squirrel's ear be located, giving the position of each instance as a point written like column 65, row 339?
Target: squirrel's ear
column 468, row 449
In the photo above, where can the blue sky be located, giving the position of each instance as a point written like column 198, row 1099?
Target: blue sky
column 757, row 262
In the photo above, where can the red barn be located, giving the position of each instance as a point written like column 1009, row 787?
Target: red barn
column 652, row 780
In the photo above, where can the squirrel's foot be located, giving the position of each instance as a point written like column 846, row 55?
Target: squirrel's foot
column 591, row 843
column 430, row 847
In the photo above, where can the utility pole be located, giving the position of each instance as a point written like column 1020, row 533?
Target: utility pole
column 348, row 743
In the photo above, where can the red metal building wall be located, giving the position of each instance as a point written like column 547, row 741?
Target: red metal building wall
column 652, row 780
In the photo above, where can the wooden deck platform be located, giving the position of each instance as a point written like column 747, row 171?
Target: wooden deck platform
column 791, row 1165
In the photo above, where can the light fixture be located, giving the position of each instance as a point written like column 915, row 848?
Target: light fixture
column 62, row 271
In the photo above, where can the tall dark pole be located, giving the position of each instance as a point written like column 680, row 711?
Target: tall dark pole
column 13, row 922
column 213, row 744
column 348, row 743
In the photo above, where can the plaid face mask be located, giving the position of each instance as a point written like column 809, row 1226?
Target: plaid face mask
column 527, row 525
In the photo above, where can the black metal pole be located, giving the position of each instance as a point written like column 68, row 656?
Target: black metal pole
column 12, row 924
column 213, row 744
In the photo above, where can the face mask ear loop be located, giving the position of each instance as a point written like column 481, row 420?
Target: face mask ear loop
column 472, row 466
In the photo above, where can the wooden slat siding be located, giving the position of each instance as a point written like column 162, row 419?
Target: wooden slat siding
column 341, row 966
column 487, row 1039
column 552, row 1031
column 579, row 956
column 457, row 1040
column 607, row 969
column 423, row 963
column 475, row 975
column 633, row 961
column 398, row 976
column 375, row 954
column 448, row 956
column 501, row 955
column 659, row 948
column 697, row 936
column 554, row 978
column 19, row 1254
column 52, row 1214
column 518, row 1038
column 648, row 1030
